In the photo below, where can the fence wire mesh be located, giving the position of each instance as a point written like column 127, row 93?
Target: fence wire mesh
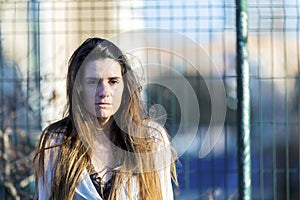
column 38, row 37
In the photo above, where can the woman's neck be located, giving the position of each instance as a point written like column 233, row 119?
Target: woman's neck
column 105, row 124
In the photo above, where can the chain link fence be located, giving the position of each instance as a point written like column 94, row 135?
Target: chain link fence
column 38, row 37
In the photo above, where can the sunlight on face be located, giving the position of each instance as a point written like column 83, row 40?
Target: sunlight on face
column 102, row 87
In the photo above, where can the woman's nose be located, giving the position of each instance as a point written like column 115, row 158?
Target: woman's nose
column 102, row 90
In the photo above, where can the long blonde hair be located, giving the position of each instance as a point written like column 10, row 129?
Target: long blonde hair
column 70, row 140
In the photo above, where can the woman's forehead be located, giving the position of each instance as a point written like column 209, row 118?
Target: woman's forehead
column 102, row 68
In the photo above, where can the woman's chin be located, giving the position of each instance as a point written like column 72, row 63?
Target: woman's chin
column 102, row 119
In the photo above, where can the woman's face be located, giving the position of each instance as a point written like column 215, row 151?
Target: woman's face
column 102, row 88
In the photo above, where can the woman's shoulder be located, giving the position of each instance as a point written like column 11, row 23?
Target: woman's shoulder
column 55, row 132
column 157, row 132
column 58, row 126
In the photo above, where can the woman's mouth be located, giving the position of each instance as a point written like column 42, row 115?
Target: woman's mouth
column 103, row 104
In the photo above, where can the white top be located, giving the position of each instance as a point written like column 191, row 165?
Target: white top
column 86, row 189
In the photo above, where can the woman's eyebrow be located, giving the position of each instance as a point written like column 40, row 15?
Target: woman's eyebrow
column 92, row 78
column 115, row 77
column 99, row 78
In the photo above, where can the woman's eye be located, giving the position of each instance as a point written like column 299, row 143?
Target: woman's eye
column 91, row 82
column 114, row 81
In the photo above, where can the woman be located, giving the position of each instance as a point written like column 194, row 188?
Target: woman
column 105, row 147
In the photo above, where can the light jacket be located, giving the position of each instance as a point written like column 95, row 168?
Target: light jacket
column 85, row 190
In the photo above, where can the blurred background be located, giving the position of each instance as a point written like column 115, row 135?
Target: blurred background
column 38, row 37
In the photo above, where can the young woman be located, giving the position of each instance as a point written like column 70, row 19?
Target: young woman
column 105, row 147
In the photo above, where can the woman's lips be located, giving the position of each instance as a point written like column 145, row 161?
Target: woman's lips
column 102, row 104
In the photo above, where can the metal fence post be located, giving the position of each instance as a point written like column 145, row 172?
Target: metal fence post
column 34, row 64
column 244, row 150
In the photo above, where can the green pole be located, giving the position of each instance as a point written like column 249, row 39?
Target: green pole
column 244, row 142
